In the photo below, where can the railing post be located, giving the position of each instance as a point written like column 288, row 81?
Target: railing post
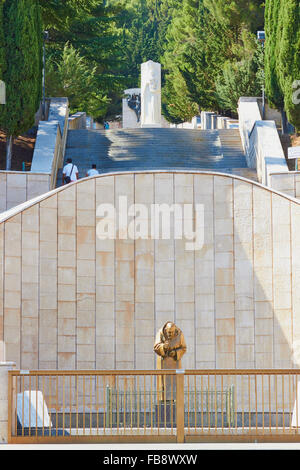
column 180, row 405
column 6, row 402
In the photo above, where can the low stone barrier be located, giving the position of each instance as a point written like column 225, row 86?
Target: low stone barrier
column 17, row 187
column 77, row 121
column 261, row 141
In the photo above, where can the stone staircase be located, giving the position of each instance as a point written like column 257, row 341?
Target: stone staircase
column 157, row 149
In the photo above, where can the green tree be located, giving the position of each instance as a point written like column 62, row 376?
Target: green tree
column 238, row 14
column 288, row 59
column 90, row 28
column 241, row 78
column 22, row 70
column 282, row 60
column 211, row 45
column 273, row 88
column 72, row 77
column 2, row 41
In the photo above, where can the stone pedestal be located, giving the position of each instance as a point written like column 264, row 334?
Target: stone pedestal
column 4, row 368
column 151, row 94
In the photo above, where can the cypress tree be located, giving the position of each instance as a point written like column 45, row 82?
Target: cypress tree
column 22, row 72
column 2, row 45
column 288, row 58
column 273, row 89
column 282, row 60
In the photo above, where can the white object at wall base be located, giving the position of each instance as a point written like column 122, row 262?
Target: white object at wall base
column 296, row 410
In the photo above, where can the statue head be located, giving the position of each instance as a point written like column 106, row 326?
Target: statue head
column 170, row 330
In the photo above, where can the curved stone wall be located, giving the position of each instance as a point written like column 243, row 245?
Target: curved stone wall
column 70, row 300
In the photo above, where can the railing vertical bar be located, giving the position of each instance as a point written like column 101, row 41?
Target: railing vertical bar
column 17, row 383
column 10, row 407
column 249, row 401
column 125, row 402
column 83, row 403
column 131, row 401
column 222, row 406
column 23, row 405
column 70, row 406
column 98, row 404
column 158, row 410
column 216, row 404
column 138, row 403
column 242, row 402
column 36, row 403
column 77, row 391
column 235, row 402
column 151, row 405
column 111, row 403
column 276, row 403
column 29, row 412
column 201, row 398
column 165, row 400
column 145, row 406
column 256, row 416
column 283, row 407
column 229, row 400
column 43, row 413
column 297, row 424
column 104, row 416
column 270, row 414
column 188, row 402
column 63, row 391
column 290, row 404
column 118, row 396
column 91, row 403
column 263, row 403
column 172, row 400
column 208, row 403
column 50, row 403
column 56, row 405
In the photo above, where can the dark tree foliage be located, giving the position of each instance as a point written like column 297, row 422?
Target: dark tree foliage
column 89, row 29
column 210, row 46
column 2, row 41
column 22, row 68
column 282, row 58
column 273, row 89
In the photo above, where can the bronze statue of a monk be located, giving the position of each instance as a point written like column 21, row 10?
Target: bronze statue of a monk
column 170, row 347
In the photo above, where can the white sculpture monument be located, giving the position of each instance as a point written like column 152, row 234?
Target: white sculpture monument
column 151, row 94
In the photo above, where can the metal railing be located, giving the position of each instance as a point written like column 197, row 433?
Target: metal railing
column 154, row 406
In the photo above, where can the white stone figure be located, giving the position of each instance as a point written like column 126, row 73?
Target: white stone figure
column 130, row 120
column 151, row 94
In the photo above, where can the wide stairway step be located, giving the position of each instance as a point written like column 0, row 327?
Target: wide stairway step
column 156, row 149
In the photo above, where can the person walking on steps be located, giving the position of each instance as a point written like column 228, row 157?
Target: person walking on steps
column 70, row 172
column 93, row 171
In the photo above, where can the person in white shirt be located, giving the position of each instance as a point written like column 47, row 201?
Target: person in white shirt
column 70, row 172
column 93, row 171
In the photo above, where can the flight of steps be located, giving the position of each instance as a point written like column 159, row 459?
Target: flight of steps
column 157, row 149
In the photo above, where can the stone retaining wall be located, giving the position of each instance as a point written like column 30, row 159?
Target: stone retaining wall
column 72, row 301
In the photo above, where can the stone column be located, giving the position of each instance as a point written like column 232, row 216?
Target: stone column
column 4, row 368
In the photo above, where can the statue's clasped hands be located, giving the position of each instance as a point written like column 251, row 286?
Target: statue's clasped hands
column 169, row 352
